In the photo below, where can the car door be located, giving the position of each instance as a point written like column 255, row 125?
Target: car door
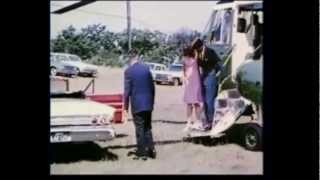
column 52, row 60
column 55, row 61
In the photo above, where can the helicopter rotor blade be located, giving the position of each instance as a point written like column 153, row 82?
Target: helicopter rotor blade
column 73, row 6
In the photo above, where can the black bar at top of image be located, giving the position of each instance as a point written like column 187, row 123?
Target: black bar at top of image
column 73, row 6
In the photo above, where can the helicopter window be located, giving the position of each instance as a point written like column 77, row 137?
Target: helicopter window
column 221, row 28
column 226, row 27
column 255, row 36
column 253, row 32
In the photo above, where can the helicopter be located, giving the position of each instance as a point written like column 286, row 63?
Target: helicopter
column 234, row 31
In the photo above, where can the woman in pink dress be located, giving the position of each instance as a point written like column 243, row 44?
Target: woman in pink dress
column 192, row 92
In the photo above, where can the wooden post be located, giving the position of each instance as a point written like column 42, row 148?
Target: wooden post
column 67, row 82
column 93, row 85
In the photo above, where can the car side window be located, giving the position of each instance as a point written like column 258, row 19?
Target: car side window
column 158, row 68
column 62, row 58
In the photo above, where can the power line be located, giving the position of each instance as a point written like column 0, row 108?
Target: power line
column 110, row 15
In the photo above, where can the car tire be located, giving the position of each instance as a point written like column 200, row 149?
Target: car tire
column 53, row 71
column 176, row 82
column 252, row 137
column 180, row 82
column 158, row 83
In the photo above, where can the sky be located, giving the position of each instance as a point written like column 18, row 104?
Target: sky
column 165, row 16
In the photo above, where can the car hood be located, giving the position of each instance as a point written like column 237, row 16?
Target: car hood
column 78, row 107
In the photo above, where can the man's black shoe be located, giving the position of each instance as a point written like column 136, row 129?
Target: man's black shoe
column 137, row 155
column 208, row 128
column 152, row 153
column 134, row 152
column 144, row 158
column 140, row 157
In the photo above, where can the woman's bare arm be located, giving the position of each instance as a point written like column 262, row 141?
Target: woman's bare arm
column 184, row 69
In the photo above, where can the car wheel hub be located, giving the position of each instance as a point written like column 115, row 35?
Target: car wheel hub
column 53, row 71
column 251, row 139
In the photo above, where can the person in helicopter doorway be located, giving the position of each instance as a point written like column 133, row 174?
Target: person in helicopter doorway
column 209, row 64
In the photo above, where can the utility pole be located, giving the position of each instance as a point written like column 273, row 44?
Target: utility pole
column 129, row 24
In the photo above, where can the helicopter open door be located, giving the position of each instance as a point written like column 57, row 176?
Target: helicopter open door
column 218, row 36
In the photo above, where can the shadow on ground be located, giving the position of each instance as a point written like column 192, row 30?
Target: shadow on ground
column 169, row 122
column 134, row 145
column 166, row 121
column 69, row 152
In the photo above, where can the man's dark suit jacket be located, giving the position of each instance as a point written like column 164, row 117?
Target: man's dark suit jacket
column 139, row 88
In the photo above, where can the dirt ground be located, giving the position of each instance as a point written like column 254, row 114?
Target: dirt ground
column 174, row 156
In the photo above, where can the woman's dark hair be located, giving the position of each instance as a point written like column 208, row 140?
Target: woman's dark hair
column 188, row 51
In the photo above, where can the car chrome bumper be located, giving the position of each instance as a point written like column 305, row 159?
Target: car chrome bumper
column 164, row 80
column 81, row 134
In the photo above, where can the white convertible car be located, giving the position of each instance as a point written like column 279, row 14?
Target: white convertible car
column 74, row 118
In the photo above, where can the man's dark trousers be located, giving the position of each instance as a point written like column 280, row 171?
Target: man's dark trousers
column 209, row 82
column 142, row 122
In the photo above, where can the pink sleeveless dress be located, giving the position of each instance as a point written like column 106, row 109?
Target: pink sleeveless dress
column 192, row 91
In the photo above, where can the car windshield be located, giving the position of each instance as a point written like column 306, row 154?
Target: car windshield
column 61, row 58
column 151, row 66
column 175, row 68
column 74, row 58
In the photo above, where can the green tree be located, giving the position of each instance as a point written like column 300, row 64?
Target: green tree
column 100, row 46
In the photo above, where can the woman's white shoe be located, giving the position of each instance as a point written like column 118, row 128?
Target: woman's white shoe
column 187, row 128
column 197, row 126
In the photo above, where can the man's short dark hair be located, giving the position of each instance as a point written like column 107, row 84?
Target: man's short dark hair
column 133, row 52
column 197, row 43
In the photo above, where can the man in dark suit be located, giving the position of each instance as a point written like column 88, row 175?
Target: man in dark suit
column 140, row 90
